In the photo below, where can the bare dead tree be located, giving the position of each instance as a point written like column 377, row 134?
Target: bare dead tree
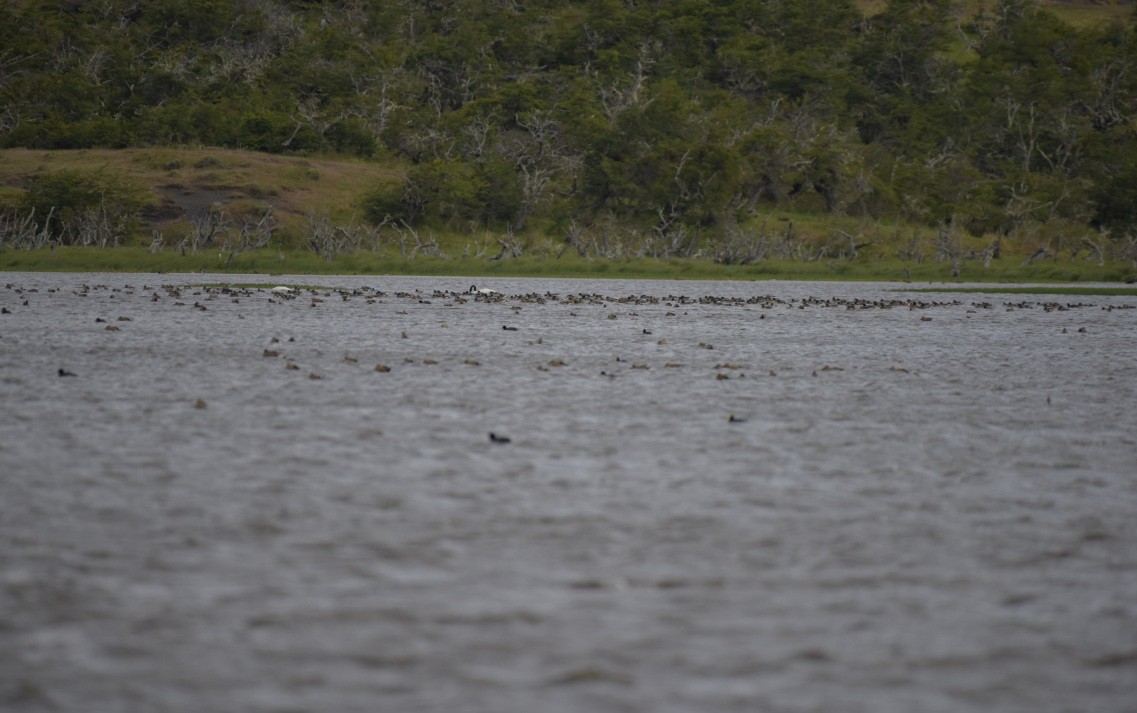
column 1129, row 250
column 734, row 245
column 576, row 239
column 92, row 63
column 605, row 238
column 205, row 229
column 240, row 61
column 1110, row 103
column 411, row 244
column 852, row 246
column 478, row 131
column 510, row 246
column 949, row 245
column 9, row 63
column 1096, row 250
column 993, row 251
column 22, row 233
column 375, row 96
column 617, row 99
column 252, row 236
column 670, row 236
column 1040, row 254
column 480, row 248
column 328, row 239
column 98, row 226
column 310, row 112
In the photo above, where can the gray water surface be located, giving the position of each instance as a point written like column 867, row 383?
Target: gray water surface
column 929, row 505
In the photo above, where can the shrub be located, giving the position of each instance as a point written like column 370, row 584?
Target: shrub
column 84, row 208
column 383, row 202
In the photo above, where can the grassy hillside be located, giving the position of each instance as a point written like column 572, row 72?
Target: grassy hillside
column 179, row 187
column 180, row 184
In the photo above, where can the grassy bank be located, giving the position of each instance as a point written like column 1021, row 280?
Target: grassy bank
column 268, row 262
column 177, row 187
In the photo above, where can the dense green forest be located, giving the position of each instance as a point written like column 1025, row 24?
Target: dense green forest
column 683, row 118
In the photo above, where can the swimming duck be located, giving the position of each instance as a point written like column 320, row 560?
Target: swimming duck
column 494, row 438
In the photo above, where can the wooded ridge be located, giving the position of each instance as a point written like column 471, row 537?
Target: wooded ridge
column 682, row 120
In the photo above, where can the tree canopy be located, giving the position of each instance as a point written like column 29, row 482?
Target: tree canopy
column 682, row 113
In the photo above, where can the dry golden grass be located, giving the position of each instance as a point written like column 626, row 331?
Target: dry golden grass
column 185, row 181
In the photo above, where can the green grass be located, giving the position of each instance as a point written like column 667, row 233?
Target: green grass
column 295, row 262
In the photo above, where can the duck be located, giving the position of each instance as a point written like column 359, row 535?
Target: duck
column 731, row 418
column 494, row 438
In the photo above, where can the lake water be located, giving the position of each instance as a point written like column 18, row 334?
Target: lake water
column 928, row 503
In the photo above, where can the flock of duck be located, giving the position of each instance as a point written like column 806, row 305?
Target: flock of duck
column 200, row 297
column 765, row 301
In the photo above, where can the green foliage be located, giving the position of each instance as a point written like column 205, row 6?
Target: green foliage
column 675, row 112
column 61, row 202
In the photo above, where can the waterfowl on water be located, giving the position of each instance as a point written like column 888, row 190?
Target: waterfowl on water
column 484, row 291
column 735, row 419
column 494, row 438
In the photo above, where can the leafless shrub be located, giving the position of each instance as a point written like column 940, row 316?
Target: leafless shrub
column 914, row 248
column 788, row 247
column 992, row 251
column 669, row 237
column 326, row 239
column 204, row 230
column 479, row 247
column 1096, row 251
column 734, row 245
column 411, row 244
column 949, row 245
column 1040, row 254
column 576, row 239
column 22, row 233
column 510, row 247
column 849, row 245
column 605, row 238
column 252, row 236
column 1129, row 250
column 98, row 227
